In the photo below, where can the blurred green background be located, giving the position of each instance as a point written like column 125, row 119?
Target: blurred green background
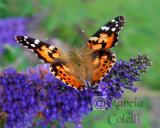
column 64, row 20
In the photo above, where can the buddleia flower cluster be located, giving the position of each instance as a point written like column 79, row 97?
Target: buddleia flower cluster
column 35, row 92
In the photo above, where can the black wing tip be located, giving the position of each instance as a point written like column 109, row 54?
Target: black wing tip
column 18, row 37
column 122, row 19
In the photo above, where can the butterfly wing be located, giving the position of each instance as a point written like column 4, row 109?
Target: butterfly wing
column 50, row 54
column 46, row 52
column 107, row 36
column 63, row 72
column 103, row 61
column 102, row 58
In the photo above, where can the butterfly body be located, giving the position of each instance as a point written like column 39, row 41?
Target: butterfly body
column 78, row 66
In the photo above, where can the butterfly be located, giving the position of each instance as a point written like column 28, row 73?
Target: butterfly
column 77, row 67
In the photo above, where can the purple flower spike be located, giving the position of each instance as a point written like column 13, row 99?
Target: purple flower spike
column 36, row 93
column 10, row 27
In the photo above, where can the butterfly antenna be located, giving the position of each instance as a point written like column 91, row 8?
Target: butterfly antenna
column 50, row 41
column 84, row 35
column 81, row 33
column 75, row 42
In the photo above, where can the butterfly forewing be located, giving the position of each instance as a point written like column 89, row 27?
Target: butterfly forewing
column 107, row 36
column 46, row 52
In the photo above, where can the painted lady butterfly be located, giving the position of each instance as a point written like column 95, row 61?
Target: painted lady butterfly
column 86, row 65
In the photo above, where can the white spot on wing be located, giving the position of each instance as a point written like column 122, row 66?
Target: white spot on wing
column 33, row 45
column 113, row 29
column 25, row 37
column 113, row 20
column 36, row 41
column 105, row 28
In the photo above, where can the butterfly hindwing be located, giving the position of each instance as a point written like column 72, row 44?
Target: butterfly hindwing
column 103, row 62
column 107, row 36
column 46, row 52
column 62, row 72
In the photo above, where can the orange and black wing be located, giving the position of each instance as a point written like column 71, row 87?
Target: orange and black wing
column 63, row 72
column 103, row 61
column 46, row 52
column 50, row 54
column 107, row 36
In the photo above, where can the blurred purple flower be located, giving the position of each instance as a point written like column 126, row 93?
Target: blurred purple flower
column 35, row 92
column 10, row 27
